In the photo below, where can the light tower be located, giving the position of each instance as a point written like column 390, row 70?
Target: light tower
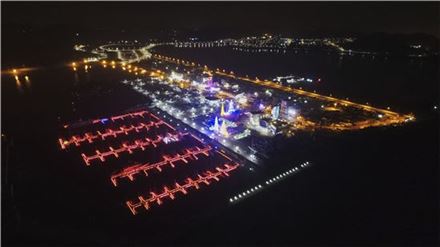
column 224, row 130
column 216, row 127
column 222, row 110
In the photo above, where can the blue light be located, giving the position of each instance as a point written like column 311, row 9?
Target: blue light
column 104, row 120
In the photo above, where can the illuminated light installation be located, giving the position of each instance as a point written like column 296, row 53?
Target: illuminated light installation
column 162, row 122
column 291, row 114
column 190, row 153
column 275, row 112
column 132, row 115
column 122, row 117
column 137, row 144
column 206, row 178
column 221, row 152
column 223, row 129
column 222, row 110
column 230, row 107
column 216, row 125
column 77, row 140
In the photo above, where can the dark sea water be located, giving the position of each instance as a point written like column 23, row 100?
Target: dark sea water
column 371, row 187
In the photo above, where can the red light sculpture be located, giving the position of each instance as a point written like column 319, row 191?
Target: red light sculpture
column 158, row 119
column 141, row 144
column 224, row 155
column 189, row 183
column 129, row 172
column 114, row 118
column 77, row 140
column 137, row 144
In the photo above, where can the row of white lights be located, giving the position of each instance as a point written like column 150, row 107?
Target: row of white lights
column 246, row 193
column 285, row 174
column 268, row 182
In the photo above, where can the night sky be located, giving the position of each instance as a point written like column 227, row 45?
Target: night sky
column 290, row 18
